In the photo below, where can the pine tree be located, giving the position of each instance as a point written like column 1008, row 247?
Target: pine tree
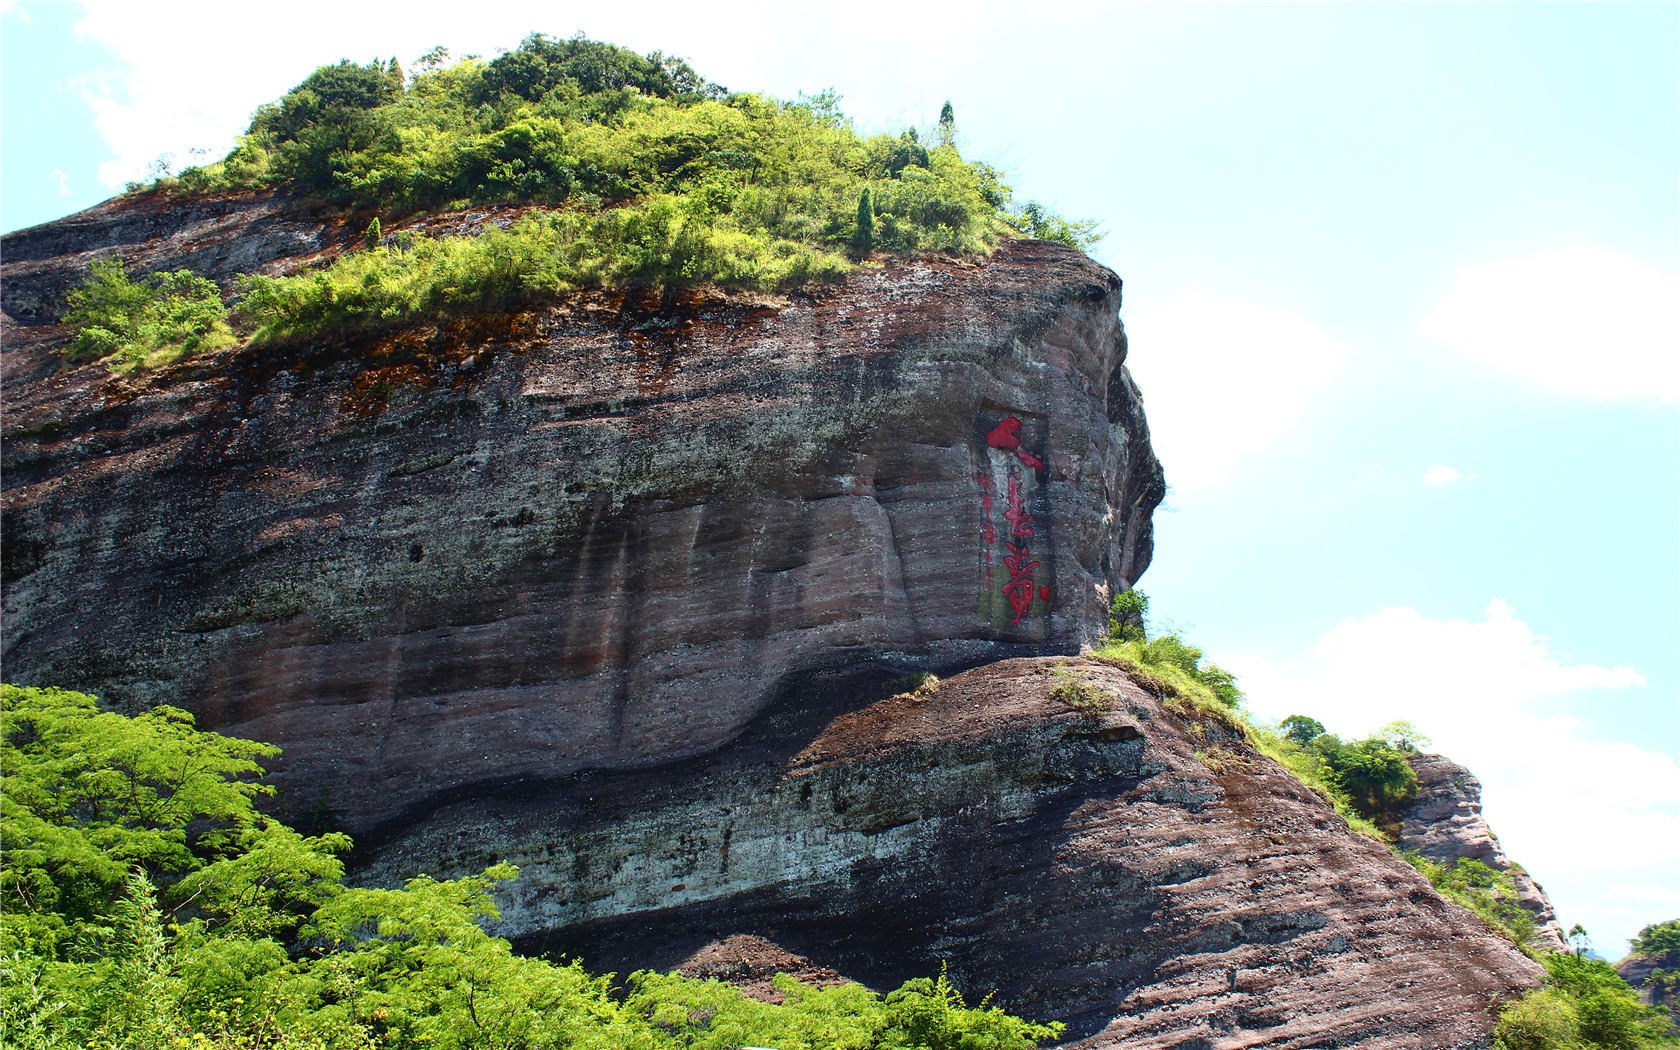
column 398, row 82
column 947, row 125
column 863, row 240
column 371, row 237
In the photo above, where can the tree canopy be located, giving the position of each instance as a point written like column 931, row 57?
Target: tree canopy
column 149, row 904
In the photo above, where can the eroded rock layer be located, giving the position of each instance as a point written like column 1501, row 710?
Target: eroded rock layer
column 1445, row 824
column 1138, row 872
column 598, row 535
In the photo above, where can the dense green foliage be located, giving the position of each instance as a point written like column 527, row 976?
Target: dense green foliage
column 1584, row 1005
column 645, row 174
column 1657, row 940
column 541, row 254
column 146, row 322
column 148, row 904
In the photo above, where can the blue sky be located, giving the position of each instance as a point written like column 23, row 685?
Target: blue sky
column 1401, row 283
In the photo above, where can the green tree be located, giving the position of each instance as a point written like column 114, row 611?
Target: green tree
column 172, row 915
column 1658, row 939
column 432, row 59
column 1129, row 616
column 370, row 239
column 1578, row 938
column 1375, row 775
column 1403, row 736
column 863, row 238
column 1301, row 729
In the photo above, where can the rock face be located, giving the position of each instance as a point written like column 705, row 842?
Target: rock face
column 1136, row 871
column 613, row 590
column 1445, row 824
column 1636, row 971
column 600, row 535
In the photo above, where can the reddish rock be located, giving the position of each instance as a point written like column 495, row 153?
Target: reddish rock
column 601, row 534
column 1445, row 824
column 1142, row 874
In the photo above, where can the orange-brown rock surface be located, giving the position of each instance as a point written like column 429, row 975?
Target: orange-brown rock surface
column 601, row 534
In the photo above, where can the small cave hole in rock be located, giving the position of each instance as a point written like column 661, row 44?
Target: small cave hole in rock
column 416, row 552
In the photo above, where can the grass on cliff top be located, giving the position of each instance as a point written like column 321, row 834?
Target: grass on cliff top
column 648, row 176
column 149, row 904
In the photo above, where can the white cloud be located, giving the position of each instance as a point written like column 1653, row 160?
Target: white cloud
column 1582, row 320
column 1579, row 812
column 63, row 181
column 1222, row 379
column 1441, row 475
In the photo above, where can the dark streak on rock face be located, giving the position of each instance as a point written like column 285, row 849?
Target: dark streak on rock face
column 1088, row 868
column 600, row 535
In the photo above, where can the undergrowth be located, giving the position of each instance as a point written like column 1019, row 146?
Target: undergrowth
column 148, row 322
column 1077, row 693
column 1582, row 1004
column 919, row 686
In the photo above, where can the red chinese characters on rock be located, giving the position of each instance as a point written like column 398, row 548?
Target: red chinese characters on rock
column 1007, row 436
column 1019, row 590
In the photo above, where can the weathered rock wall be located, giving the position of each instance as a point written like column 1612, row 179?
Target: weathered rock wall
column 1140, row 873
column 599, row 535
column 1445, row 823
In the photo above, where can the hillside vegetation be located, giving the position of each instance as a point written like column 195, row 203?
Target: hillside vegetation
column 1582, row 1004
column 642, row 173
column 149, row 904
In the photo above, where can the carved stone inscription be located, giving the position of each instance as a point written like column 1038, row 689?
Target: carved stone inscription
column 1016, row 584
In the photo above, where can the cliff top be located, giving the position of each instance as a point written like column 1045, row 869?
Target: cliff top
column 599, row 167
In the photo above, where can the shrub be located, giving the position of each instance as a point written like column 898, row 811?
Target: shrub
column 919, row 686
column 1170, row 667
column 654, row 244
column 1079, row 694
column 1584, row 1005
column 146, row 322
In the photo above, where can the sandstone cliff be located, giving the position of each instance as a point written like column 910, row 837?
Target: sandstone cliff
column 1445, row 823
column 598, row 535
column 612, row 590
